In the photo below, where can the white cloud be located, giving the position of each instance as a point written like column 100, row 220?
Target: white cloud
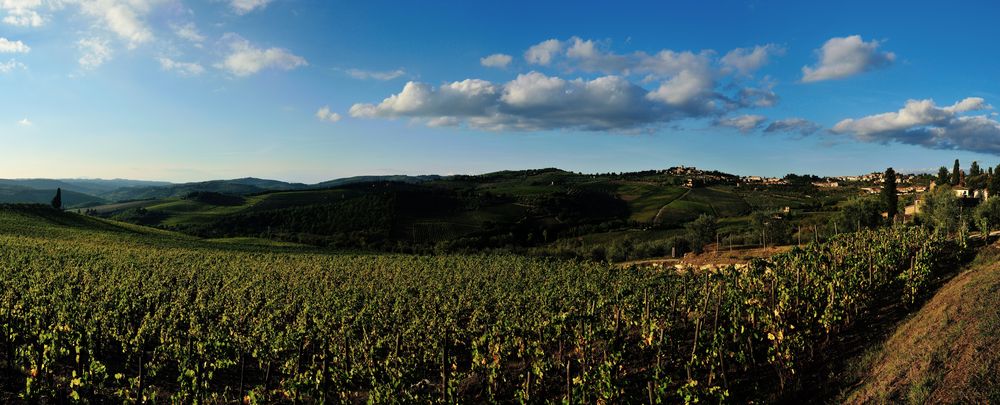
column 324, row 114
column 94, row 52
column 746, row 61
column 684, row 84
column 588, row 55
column 8, row 46
column 125, row 18
column 542, row 53
column 10, row 66
column 244, row 59
column 25, row 122
column 687, row 80
column 245, row 6
column 189, row 32
column 532, row 101
column 497, row 60
column 756, row 97
column 687, row 89
column 744, row 123
column 369, row 74
column 22, row 13
column 797, row 125
column 182, row 68
column 921, row 122
column 847, row 56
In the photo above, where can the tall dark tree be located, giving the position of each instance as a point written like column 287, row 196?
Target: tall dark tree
column 956, row 174
column 942, row 177
column 889, row 197
column 993, row 185
column 57, row 200
column 975, row 170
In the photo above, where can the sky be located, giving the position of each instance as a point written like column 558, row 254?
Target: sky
column 307, row 91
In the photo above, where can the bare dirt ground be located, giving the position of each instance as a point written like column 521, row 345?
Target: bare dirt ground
column 715, row 257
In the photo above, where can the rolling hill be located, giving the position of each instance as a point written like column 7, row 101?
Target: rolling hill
column 20, row 194
column 94, row 187
column 501, row 210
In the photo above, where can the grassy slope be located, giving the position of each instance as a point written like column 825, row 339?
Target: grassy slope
column 645, row 200
column 18, row 194
column 948, row 352
column 182, row 211
column 43, row 223
column 719, row 201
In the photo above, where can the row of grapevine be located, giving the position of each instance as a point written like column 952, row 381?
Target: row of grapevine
column 99, row 316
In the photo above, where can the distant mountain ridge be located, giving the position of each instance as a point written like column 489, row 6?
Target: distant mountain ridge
column 368, row 179
column 94, row 187
column 85, row 192
column 18, row 194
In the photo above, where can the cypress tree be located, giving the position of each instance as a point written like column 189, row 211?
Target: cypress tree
column 57, row 200
column 956, row 174
column 889, row 197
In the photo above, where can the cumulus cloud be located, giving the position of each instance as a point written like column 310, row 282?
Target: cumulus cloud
column 94, row 52
column 793, row 125
column 744, row 123
column 244, row 59
column 361, row 74
column 188, row 31
column 25, row 122
column 245, row 6
column 922, row 122
column 182, row 68
column 542, row 53
column 746, row 61
column 847, row 56
column 8, row 46
column 532, row 101
column 22, row 13
column 497, row 60
column 324, row 114
column 10, row 66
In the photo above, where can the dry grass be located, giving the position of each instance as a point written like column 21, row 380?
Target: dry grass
column 948, row 352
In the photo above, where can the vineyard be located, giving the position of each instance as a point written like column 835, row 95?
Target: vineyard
column 93, row 311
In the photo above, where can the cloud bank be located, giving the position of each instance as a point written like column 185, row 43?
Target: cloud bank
column 923, row 123
column 631, row 91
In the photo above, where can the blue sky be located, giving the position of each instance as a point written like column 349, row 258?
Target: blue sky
column 313, row 90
